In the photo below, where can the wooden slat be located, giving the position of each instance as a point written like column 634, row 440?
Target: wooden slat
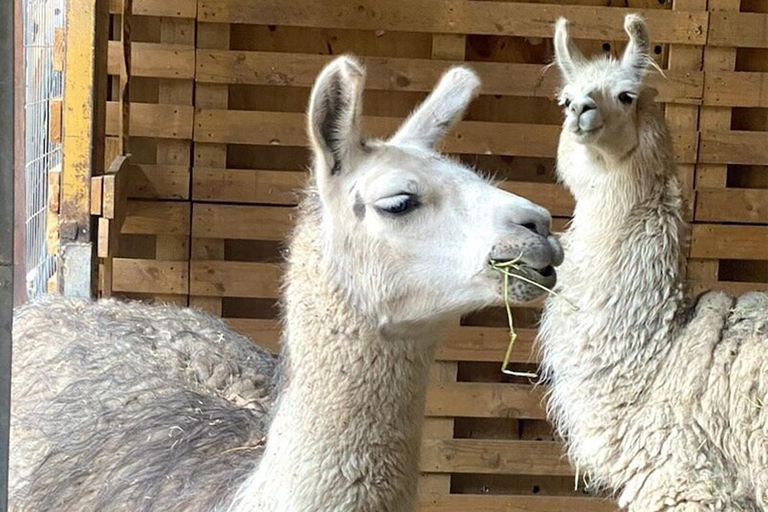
column 54, row 123
column 736, row 89
column 263, row 332
column 500, row 503
column 734, row 147
column 153, row 120
column 149, row 181
column 486, row 344
column 729, row 242
column 287, row 128
column 247, row 186
column 241, row 222
column 735, row 288
column 739, row 29
column 554, row 198
column 157, row 218
column 300, row 70
column 457, row 17
column 732, row 205
column 165, row 8
column 485, row 400
column 234, row 279
column 149, row 276
column 494, row 457
column 154, row 60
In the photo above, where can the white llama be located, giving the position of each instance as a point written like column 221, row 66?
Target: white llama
column 660, row 402
column 133, row 407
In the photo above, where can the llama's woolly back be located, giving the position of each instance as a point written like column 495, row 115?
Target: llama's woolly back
column 168, row 404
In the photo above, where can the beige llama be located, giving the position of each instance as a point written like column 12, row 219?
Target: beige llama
column 661, row 402
column 121, row 406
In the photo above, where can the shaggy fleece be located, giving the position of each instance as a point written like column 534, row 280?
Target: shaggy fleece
column 147, row 407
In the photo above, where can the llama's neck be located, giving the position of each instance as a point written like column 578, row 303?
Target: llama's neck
column 347, row 429
column 623, row 269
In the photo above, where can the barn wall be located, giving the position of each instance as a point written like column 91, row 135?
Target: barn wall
column 218, row 92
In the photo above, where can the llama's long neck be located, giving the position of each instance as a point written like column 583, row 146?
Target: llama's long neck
column 347, row 429
column 623, row 269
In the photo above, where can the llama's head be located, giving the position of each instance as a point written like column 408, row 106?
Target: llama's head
column 601, row 97
column 407, row 233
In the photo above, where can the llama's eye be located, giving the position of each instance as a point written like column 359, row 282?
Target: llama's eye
column 397, row 205
column 626, row 98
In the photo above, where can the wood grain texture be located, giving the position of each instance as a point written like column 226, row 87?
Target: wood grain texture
column 490, row 456
column 738, row 29
column 457, row 17
column 722, row 241
column 744, row 205
column 393, row 74
column 490, row 503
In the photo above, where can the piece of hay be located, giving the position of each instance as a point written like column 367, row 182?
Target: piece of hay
column 505, row 268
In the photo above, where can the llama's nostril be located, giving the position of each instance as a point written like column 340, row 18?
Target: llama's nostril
column 531, row 226
column 587, row 107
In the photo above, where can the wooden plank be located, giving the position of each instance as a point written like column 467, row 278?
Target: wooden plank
column 234, row 279
column 736, row 89
column 148, row 181
column 241, row 222
column 150, row 276
column 488, row 344
column 113, row 197
column 97, row 194
column 735, row 288
column 734, row 147
column 729, row 242
column 494, row 457
column 52, row 215
column 157, row 218
column 247, row 186
column 458, row 17
column 485, row 400
column 745, row 205
column 166, row 8
column 153, row 120
column 54, row 123
column 738, row 29
column 154, row 60
column 554, row 198
column 392, row 74
column 287, row 128
column 58, row 49
column 501, row 503
column 263, row 332
column 217, row 37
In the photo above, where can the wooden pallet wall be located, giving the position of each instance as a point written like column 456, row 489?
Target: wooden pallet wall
column 219, row 88
column 729, row 248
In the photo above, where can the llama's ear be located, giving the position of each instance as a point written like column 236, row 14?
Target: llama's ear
column 431, row 120
column 335, row 109
column 637, row 56
column 568, row 57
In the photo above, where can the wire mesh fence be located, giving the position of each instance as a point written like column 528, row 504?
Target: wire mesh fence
column 43, row 83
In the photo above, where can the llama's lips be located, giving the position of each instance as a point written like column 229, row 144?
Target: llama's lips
column 587, row 133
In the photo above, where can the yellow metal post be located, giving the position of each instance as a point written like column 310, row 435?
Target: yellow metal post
column 83, row 142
